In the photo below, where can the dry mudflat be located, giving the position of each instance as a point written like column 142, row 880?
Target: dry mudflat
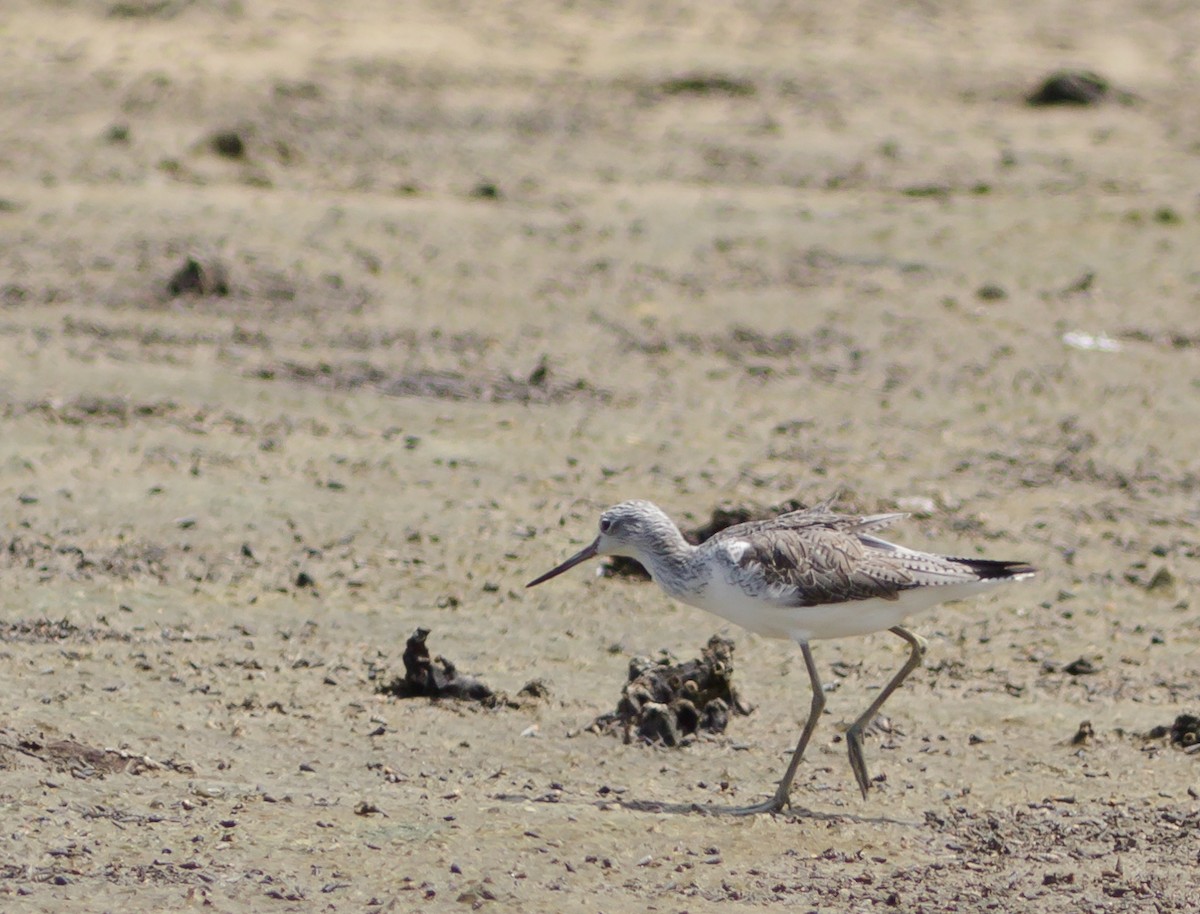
column 322, row 322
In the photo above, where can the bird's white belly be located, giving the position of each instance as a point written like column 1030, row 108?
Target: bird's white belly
column 828, row 620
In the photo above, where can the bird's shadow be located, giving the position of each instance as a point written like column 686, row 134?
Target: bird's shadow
column 710, row 810
column 740, row 812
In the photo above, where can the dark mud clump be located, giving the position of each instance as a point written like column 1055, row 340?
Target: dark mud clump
column 200, row 278
column 1069, row 87
column 228, row 143
column 668, row 702
column 1084, row 734
column 435, row 677
column 1081, row 667
column 1185, row 732
column 722, row 517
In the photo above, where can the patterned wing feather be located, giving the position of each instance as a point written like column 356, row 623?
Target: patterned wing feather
column 811, row 565
column 807, row 559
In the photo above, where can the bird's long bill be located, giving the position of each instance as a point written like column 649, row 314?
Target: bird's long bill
column 581, row 556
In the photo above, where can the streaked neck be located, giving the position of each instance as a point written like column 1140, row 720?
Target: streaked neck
column 670, row 559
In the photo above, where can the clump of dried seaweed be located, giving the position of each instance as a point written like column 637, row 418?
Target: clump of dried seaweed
column 669, row 702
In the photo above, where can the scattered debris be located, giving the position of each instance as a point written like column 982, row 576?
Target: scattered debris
column 536, row 689
column 1081, row 667
column 32, row 631
column 196, row 278
column 1069, row 87
column 1084, row 734
column 1058, row 879
column 667, row 702
column 1185, row 732
column 83, row 761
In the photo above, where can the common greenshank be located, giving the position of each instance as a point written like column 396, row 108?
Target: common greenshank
column 805, row 575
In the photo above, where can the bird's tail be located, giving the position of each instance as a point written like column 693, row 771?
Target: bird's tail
column 992, row 570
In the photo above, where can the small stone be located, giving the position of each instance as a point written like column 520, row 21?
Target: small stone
column 1161, row 580
column 1069, row 87
column 229, row 143
column 196, row 278
column 117, row 134
column 918, row 505
column 535, row 688
column 1166, row 215
column 486, row 190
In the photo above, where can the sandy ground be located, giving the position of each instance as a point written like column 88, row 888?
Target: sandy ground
column 467, row 273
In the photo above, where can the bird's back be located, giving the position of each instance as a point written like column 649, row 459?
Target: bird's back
column 815, row 574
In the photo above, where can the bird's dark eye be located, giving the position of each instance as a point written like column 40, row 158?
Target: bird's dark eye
column 606, row 525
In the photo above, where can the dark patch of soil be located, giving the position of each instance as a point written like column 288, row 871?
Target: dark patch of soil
column 91, row 408
column 52, row 560
column 538, row 387
column 29, row 631
column 80, row 760
column 708, row 84
column 428, row 676
column 740, row 344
